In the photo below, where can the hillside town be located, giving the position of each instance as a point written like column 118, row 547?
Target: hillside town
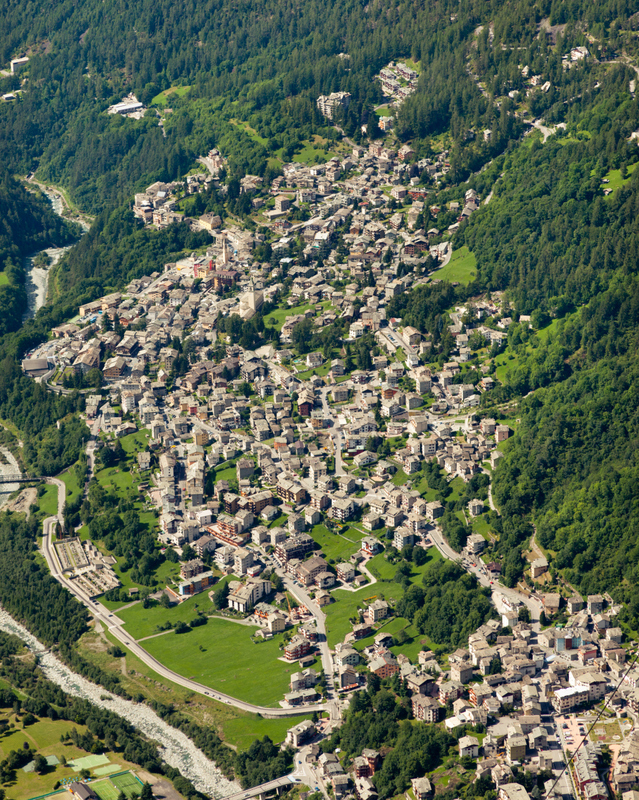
column 336, row 442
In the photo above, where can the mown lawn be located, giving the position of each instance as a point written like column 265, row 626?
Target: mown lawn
column 223, row 655
column 335, row 546
column 244, row 730
column 461, row 268
column 135, row 442
column 141, row 622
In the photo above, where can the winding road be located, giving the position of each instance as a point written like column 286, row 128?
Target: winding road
column 116, row 627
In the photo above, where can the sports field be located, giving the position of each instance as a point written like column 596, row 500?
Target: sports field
column 110, row 788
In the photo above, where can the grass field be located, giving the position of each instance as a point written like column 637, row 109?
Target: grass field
column 71, row 482
column 335, row 546
column 250, row 131
column 115, row 480
column 310, row 154
column 338, row 614
column 384, row 111
column 135, row 442
column 222, row 655
column 141, row 622
column 162, row 99
column 244, row 730
column 461, row 268
column 277, row 318
column 4, row 279
column 322, row 370
column 615, row 181
column 48, row 503
column 400, row 477
column 237, row 728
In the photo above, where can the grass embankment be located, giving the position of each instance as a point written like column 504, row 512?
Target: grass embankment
column 462, row 267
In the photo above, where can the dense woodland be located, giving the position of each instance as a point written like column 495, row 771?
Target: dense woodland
column 266, row 67
column 449, row 607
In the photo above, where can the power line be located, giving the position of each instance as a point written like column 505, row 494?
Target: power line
column 597, row 718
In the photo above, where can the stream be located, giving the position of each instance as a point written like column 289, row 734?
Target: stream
column 175, row 747
column 37, row 279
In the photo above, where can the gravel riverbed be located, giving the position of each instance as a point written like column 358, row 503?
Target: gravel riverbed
column 176, row 748
column 8, row 466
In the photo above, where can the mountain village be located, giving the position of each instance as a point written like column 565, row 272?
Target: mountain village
column 335, row 445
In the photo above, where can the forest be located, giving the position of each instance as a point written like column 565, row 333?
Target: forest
column 449, row 607
column 380, row 718
column 266, row 67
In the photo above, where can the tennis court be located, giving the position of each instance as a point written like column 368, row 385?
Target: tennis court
column 127, row 783
column 105, row 790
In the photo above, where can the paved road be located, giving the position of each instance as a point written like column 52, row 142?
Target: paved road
column 533, row 605
column 115, row 626
column 334, row 432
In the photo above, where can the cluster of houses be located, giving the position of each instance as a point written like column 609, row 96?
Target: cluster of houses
column 398, row 81
column 510, row 680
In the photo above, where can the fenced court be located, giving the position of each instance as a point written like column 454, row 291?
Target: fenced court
column 107, row 770
column 105, row 790
column 127, row 782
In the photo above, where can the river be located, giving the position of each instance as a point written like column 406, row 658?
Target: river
column 175, row 747
column 37, row 279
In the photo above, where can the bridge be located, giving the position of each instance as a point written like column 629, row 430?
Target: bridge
column 19, row 479
column 277, row 786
